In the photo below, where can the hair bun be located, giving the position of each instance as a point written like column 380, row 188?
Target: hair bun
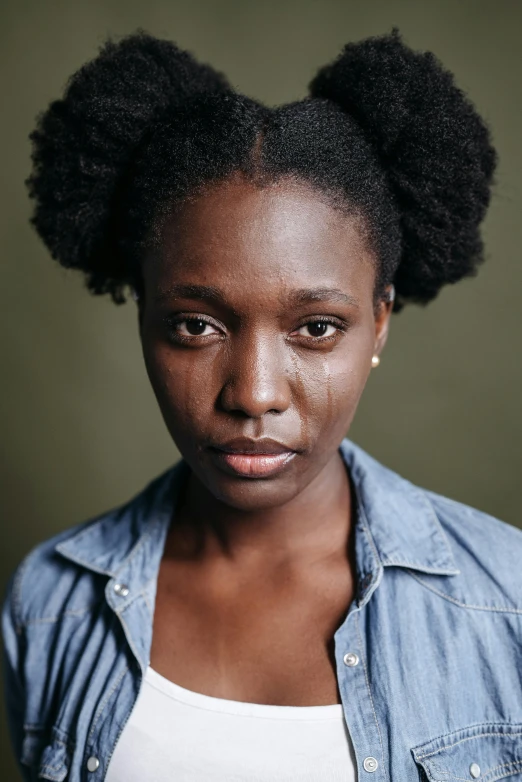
column 434, row 147
column 83, row 144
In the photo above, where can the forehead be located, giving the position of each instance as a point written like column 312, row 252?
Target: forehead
column 250, row 240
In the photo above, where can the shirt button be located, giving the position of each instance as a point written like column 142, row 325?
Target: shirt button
column 92, row 764
column 370, row 764
column 350, row 659
column 474, row 770
column 121, row 589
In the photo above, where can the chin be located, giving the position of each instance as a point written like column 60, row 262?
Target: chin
column 251, row 494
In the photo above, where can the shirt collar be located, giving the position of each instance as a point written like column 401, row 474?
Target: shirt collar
column 110, row 543
column 395, row 518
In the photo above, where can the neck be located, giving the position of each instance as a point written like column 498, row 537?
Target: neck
column 313, row 525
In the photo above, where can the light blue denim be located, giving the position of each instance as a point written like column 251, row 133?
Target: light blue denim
column 428, row 657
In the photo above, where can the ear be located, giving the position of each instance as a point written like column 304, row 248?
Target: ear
column 383, row 313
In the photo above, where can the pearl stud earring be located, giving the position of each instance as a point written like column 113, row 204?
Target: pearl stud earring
column 375, row 361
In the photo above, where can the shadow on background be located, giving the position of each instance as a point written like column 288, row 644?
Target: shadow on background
column 80, row 428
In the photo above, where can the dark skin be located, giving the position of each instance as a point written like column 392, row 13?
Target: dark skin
column 258, row 572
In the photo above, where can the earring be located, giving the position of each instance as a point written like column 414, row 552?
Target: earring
column 375, row 361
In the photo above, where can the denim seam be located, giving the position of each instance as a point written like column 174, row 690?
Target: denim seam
column 120, row 610
column 442, row 571
column 370, row 693
column 495, row 609
column 53, row 619
column 370, row 540
column 161, row 507
column 423, row 497
column 477, row 725
column 467, row 738
column 439, row 526
column 146, row 598
column 151, row 527
column 111, row 573
column 34, row 728
column 48, row 767
column 514, row 765
column 77, row 538
column 160, row 504
column 365, row 526
column 66, row 744
column 86, row 565
column 363, row 599
column 128, row 636
column 137, row 546
column 121, row 728
column 103, row 704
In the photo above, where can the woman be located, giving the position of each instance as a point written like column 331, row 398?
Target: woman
column 316, row 617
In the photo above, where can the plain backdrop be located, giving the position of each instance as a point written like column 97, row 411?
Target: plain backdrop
column 80, row 431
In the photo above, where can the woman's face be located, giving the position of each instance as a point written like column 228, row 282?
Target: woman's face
column 258, row 323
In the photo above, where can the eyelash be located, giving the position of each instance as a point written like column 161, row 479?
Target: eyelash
column 175, row 336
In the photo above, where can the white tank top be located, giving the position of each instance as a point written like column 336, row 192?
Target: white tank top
column 176, row 734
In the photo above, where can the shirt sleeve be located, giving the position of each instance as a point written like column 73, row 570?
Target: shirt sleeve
column 12, row 673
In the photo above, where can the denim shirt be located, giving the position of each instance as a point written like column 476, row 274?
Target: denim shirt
column 428, row 657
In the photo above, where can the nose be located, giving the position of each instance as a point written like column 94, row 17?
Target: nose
column 256, row 379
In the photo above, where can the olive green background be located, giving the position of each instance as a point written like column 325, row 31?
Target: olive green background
column 80, row 431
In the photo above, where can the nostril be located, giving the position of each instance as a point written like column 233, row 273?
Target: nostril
column 255, row 399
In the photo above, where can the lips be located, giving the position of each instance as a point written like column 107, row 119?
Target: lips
column 252, row 458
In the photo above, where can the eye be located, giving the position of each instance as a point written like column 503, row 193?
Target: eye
column 194, row 327
column 318, row 329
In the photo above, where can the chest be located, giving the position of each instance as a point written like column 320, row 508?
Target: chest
column 242, row 741
column 265, row 638
column 431, row 679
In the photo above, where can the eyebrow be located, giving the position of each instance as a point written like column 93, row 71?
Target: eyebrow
column 310, row 295
column 295, row 298
column 205, row 292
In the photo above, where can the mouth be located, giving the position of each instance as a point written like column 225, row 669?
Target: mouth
column 252, row 458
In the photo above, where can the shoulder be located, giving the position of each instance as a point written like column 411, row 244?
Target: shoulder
column 487, row 551
column 66, row 573
column 39, row 585
column 458, row 552
column 473, row 530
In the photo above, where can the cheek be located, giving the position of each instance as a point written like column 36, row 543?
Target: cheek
column 339, row 383
column 182, row 383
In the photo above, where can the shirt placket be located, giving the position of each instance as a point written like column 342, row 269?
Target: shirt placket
column 116, row 706
column 352, row 673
